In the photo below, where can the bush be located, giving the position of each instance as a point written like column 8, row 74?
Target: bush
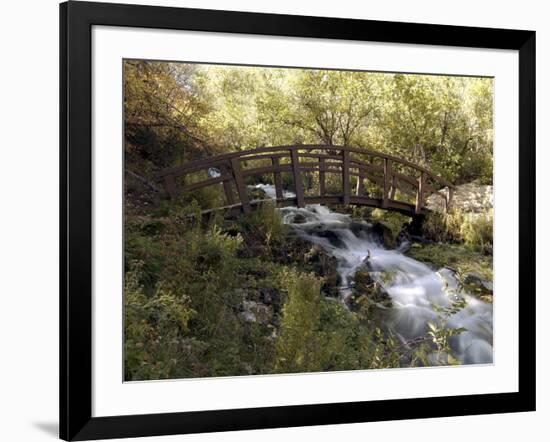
column 298, row 344
column 473, row 229
column 263, row 230
column 477, row 231
column 155, row 328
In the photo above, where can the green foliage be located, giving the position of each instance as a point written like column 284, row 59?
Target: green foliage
column 477, row 231
column 176, row 111
column 297, row 347
column 460, row 257
column 188, row 282
column 155, row 329
column 440, row 334
column 472, row 229
column 393, row 220
column 319, row 334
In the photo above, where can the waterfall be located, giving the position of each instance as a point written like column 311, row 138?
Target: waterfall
column 414, row 287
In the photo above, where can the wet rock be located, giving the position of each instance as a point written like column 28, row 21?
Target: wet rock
column 256, row 193
column 403, row 241
column 385, row 234
column 331, row 236
column 362, row 230
column 362, row 281
column 325, row 266
column 298, row 219
column 478, row 285
column 367, row 293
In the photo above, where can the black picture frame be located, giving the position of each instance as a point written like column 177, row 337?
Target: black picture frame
column 76, row 21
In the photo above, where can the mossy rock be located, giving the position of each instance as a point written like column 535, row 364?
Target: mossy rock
column 325, row 266
column 367, row 293
column 475, row 284
column 385, row 234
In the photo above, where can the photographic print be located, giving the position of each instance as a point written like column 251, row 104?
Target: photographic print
column 291, row 220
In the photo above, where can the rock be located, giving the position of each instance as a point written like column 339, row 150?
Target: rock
column 256, row 312
column 385, row 234
column 256, row 193
column 362, row 281
column 403, row 241
column 271, row 296
column 367, row 293
column 469, row 197
column 362, row 230
column 331, row 236
column 299, row 219
column 324, row 265
column 478, row 285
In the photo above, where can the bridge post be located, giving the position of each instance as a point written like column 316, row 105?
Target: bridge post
column 297, row 176
column 393, row 187
column 322, row 177
column 420, row 192
column 226, row 172
column 345, row 176
column 239, row 182
column 387, row 179
column 277, row 178
column 360, row 185
column 169, row 185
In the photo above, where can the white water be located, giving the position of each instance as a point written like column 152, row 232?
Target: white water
column 413, row 286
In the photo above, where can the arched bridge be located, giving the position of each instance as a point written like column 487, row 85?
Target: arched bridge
column 359, row 177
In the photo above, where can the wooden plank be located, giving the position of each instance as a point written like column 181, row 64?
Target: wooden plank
column 420, row 192
column 345, row 176
column 387, row 180
column 226, row 174
column 322, row 189
column 277, row 178
column 393, row 187
column 169, row 184
column 360, row 190
column 239, row 182
column 201, row 184
column 266, row 169
column 297, row 176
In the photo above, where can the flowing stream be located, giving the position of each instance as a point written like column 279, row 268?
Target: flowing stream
column 413, row 286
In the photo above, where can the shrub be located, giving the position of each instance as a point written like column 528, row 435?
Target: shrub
column 473, row 229
column 263, row 229
column 155, row 327
column 477, row 231
column 298, row 344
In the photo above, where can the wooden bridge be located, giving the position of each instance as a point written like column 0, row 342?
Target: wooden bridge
column 365, row 178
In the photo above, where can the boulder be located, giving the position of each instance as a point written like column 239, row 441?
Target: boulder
column 324, row 265
column 470, row 197
column 478, row 285
column 298, row 218
column 367, row 293
column 385, row 234
column 271, row 296
column 403, row 241
column 256, row 312
column 331, row 236
column 256, row 193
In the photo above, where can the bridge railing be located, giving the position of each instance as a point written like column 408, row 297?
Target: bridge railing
column 388, row 173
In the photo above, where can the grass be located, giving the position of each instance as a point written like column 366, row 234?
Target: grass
column 459, row 257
